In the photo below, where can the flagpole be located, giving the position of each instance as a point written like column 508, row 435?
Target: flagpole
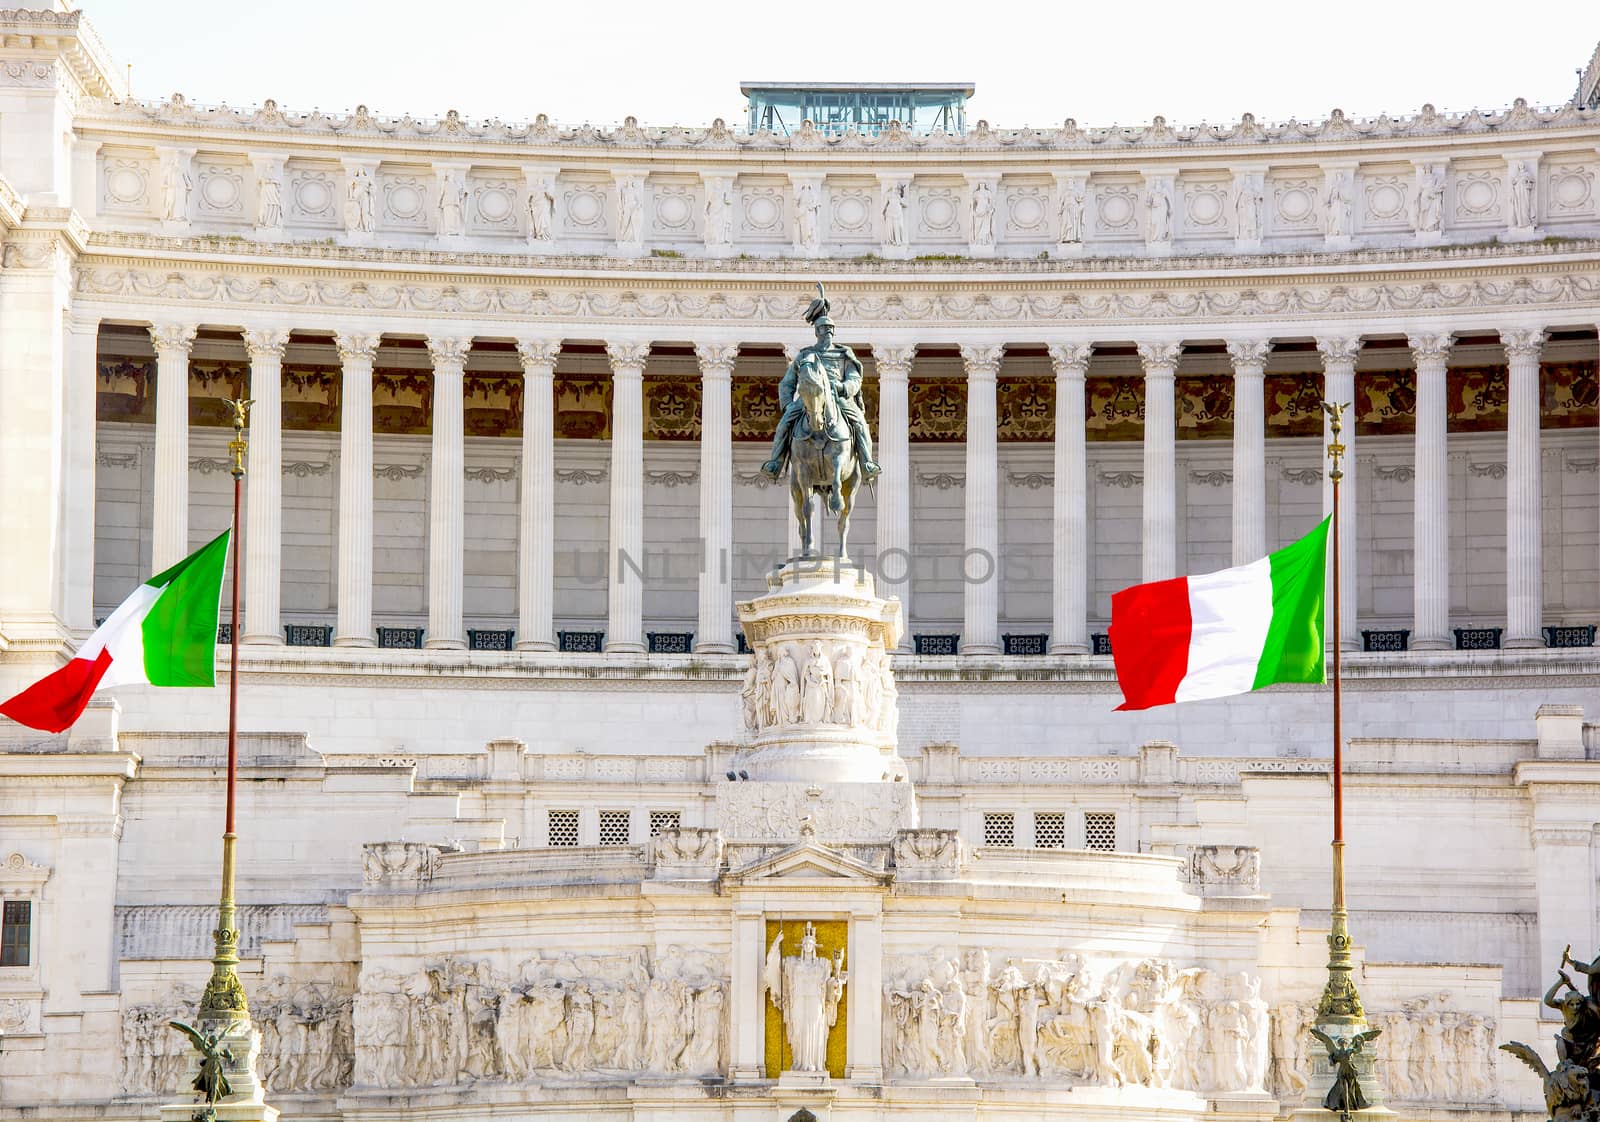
column 223, row 1003
column 1339, row 1012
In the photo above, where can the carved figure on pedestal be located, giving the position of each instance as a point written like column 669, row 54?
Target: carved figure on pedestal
column 748, row 694
column 719, row 213
column 807, row 207
column 269, row 202
column 1069, row 214
column 871, row 688
column 765, row 699
column 889, row 708
column 894, row 215
column 541, row 210
column 806, row 990
column 982, row 215
column 846, row 709
column 786, row 690
column 1522, row 191
column 818, row 694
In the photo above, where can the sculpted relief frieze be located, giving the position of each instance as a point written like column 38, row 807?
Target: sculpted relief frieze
column 575, row 1015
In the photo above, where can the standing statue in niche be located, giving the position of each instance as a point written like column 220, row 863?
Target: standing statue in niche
column 541, row 210
column 358, row 207
column 719, row 213
column 452, row 207
column 982, row 215
column 1069, row 214
column 822, row 433
column 894, row 215
column 175, row 188
column 1430, row 200
column 629, row 203
column 269, row 202
column 806, row 989
column 1338, row 205
column 806, row 208
column 818, row 686
column 1247, row 209
column 1159, row 202
column 1522, row 186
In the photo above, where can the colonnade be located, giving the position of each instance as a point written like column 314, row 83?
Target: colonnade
column 893, row 360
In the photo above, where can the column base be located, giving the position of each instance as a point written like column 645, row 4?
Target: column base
column 625, row 648
column 536, row 645
column 445, row 645
column 354, row 641
column 1431, row 644
column 975, row 649
column 715, row 648
column 271, row 639
column 1068, row 648
column 1523, row 643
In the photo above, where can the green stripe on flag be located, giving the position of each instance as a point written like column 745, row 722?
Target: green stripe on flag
column 1294, row 651
column 180, row 630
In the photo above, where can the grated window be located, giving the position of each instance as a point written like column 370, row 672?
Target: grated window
column 999, row 828
column 664, row 820
column 1050, row 830
column 16, row 932
column 1099, row 830
column 616, row 827
column 563, row 827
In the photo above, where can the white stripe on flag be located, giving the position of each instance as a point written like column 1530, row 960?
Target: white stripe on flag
column 123, row 635
column 1229, row 615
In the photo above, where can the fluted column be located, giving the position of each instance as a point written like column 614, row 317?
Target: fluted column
column 715, row 627
column 78, row 477
column 356, row 353
column 263, row 536
column 170, row 540
column 1249, row 449
column 625, row 604
column 894, row 568
column 445, row 495
column 1524, row 502
column 1339, row 354
column 1431, row 514
column 981, row 563
column 1069, row 631
column 536, row 513
column 1160, row 460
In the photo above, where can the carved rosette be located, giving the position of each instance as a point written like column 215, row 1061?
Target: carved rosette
column 819, row 698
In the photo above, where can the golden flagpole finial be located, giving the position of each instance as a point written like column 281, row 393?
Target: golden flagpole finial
column 1336, row 449
column 241, row 420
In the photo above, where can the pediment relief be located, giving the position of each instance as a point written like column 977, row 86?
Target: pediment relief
column 808, row 860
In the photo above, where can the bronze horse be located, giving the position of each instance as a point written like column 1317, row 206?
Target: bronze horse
column 822, row 458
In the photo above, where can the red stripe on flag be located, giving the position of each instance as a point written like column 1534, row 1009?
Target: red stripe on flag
column 1150, row 628
column 55, row 701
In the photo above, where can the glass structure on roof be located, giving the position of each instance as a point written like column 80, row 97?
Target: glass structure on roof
column 867, row 107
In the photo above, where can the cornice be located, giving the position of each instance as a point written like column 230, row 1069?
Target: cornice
column 632, row 141
column 71, row 36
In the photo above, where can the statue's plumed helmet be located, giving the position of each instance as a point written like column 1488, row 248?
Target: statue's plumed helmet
column 817, row 311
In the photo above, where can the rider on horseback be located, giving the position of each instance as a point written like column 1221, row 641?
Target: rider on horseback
column 843, row 369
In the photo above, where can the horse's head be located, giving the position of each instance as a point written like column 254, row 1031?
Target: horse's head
column 816, row 396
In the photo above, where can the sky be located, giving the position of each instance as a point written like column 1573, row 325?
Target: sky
column 1033, row 63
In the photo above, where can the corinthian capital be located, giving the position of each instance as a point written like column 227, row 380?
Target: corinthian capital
column 716, row 359
column 1249, row 352
column 893, row 360
column 267, row 342
column 1337, row 349
column 1430, row 348
column 357, row 346
column 538, row 352
column 1523, row 342
column 173, row 336
column 981, row 360
column 1070, row 360
column 448, row 351
column 627, row 355
column 1162, row 357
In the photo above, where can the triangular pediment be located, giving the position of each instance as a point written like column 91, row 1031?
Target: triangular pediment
column 809, row 860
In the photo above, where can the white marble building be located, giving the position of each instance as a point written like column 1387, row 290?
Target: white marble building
column 512, row 385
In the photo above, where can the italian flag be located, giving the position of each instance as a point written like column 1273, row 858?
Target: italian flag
column 165, row 634
column 1222, row 633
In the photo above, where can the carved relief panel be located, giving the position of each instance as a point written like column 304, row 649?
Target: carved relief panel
column 585, row 207
column 1027, row 210
column 1204, row 208
column 1294, row 204
column 314, row 194
column 1569, row 190
column 1384, row 200
column 676, row 210
column 937, row 212
column 852, row 210
column 126, row 181
column 493, row 204
column 404, row 198
column 1116, row 210
column 1475, row 196
column 762, row 211
column 219, row 193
